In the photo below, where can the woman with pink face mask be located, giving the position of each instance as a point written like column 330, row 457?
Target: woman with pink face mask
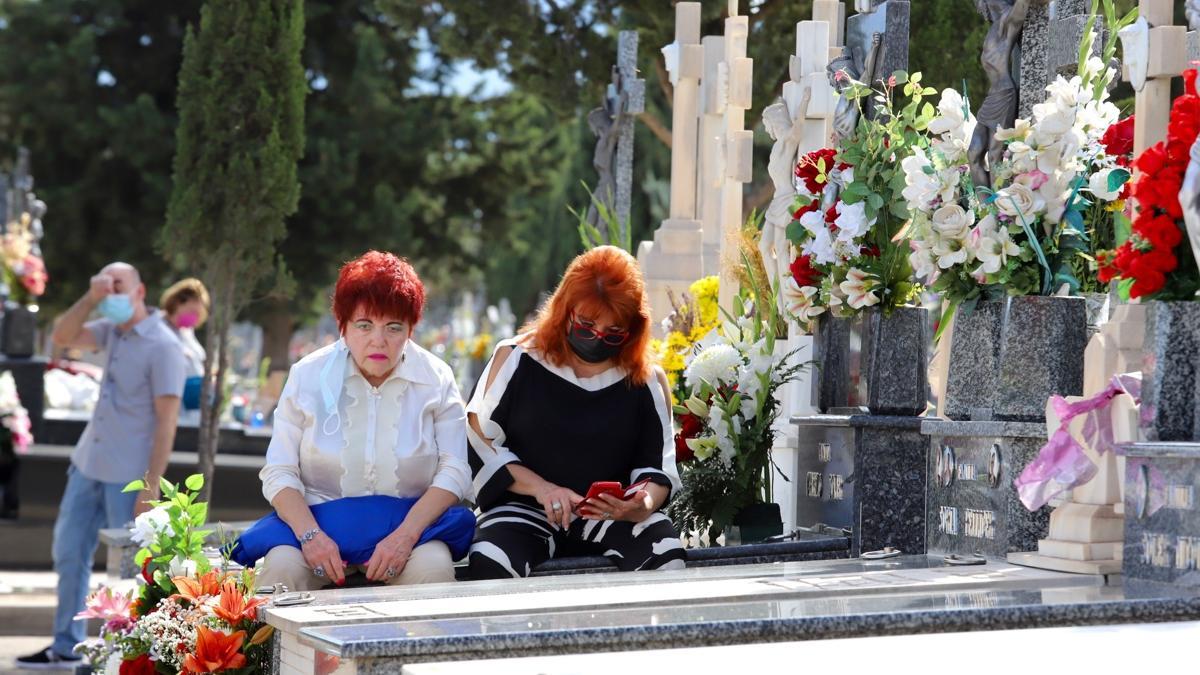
column 185, row 305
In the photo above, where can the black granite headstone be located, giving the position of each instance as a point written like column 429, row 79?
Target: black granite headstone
column 864, row 473
column 972, row 505
column 1162, row 520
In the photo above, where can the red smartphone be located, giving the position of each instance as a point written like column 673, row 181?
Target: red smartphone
column 611, row 487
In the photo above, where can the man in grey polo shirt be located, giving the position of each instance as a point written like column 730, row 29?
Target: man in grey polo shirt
column 129, row 436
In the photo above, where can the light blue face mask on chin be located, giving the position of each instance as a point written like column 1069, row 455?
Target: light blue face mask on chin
column 333, row 378
column 117, row 308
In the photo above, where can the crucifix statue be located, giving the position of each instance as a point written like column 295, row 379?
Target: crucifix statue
column 613, row 126
column 999, row 109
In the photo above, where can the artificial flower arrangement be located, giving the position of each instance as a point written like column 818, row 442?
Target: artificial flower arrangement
column 24, row 270
column 848, row 212
column 185, row 617
column 1056, row 197
column 14, row 418
column 1156, row 261
column 730, row 383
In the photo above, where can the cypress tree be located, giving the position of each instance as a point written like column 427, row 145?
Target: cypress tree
column 240, row 136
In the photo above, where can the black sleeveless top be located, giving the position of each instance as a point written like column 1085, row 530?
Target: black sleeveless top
column 569, row 431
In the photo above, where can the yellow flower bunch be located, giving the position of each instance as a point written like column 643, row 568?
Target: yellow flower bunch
column 705, row 292
column 480, row 346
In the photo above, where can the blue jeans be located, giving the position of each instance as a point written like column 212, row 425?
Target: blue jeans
column 87, row 506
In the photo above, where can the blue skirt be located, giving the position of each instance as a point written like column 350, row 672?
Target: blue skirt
column 356, row 525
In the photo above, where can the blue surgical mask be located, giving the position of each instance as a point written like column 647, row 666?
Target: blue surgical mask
column 117, row 308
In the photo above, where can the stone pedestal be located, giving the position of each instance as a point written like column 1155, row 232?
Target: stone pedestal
column 972, row 505
column 1162, row 524
column 865, row 474
column 873, row 362
column 1008, row 356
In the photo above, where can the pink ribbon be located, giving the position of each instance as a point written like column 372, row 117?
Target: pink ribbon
column 1062, row 464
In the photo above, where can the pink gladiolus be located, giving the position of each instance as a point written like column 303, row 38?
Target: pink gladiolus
column 107, row 606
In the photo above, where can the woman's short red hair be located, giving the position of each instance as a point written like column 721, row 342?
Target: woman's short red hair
column 382, row 285
column 603, row 280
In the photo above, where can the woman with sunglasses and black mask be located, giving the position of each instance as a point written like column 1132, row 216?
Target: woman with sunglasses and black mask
column 574, row 400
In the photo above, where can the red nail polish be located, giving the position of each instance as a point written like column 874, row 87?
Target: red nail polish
column 341, row 582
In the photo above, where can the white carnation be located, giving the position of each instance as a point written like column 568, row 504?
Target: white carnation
column 716, row 365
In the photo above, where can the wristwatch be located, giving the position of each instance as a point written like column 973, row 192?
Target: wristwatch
column 309, row 536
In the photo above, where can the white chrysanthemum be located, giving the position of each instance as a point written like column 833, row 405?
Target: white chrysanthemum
column 716, row 365
column 147, row 526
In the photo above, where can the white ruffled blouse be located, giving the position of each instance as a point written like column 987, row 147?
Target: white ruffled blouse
column 398, row 439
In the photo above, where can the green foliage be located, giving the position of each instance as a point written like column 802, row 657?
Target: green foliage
column 178, row 537
column 615, row 233
column 240, row 135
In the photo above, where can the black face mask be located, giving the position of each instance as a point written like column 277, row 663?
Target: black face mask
column 592, row 351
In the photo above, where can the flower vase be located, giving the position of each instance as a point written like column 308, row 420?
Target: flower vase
column 754, row 523
column 873, row 361
column 1007, row 357
column 1171, row 350
column 17, row 337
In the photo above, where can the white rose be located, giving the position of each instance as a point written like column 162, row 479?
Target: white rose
column 952, row 221
column 1098, row 184
column 852, row 221
column 1020, row 203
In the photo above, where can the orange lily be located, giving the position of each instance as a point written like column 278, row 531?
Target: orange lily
column 233, row 606
column 215, row 651
column 196, row 589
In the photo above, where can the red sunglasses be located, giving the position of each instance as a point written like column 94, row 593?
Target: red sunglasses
column 610, row 337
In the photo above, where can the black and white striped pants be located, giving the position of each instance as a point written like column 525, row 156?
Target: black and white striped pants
column 512, row 538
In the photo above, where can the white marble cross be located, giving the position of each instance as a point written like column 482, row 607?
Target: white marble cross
column 737, row 77
column 1154, row 51
column 800, row 122
column 674, row 259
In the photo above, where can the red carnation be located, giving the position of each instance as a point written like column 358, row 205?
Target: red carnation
column 1118, row 140
column 1106, row 269
column 1162, row 231
column 803, row 271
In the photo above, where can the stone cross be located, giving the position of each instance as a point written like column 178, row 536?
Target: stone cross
column 737, row 75
column 1154, row 51
column 712, row 151
column 633, row 91
column 613, row 125
column 674, row 259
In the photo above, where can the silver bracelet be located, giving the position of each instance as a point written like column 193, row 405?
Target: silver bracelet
column 309, row 536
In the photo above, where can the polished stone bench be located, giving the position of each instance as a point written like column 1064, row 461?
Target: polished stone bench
column 122, row 549
column 382, row 630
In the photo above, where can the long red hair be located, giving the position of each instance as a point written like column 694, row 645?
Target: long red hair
column 603, row 280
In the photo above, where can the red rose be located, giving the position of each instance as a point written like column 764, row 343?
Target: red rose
column 803, row 272
column 870, row 251
column 808, row 208
column 690, row 427
column 808, row 169
column 142, row 665
column 1118, row 139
